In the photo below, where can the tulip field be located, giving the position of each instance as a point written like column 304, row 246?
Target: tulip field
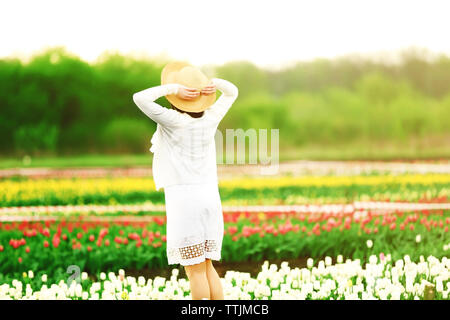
column 364, row 236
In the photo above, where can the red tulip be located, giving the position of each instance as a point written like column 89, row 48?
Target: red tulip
column 64, row 236
column 246, row 232
column 164, row 238
column 411, row 227
column 446, row 229
column 232, row 229
column 13, row 243
column 46, row 244
column 157, row 234
column 159, row 220
column 133, row 236
column 157, row 244
column 79, row 235
column 46, row 232
column 89, row 248
column 20, row 259
column 316, row 229
column 234, row 238
column 1, row 248
column 103, row 232
column 27, row 249
column 91, row 238
column 392, row 226
column 56, row 241
column 107, row 242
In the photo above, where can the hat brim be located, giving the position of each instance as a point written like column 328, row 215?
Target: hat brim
column 198, row 104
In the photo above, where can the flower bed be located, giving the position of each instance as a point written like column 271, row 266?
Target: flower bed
column 287, row 190
column 381, row 278
column 121, row 243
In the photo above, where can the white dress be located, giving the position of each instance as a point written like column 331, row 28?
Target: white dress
column 184, row 164
column 194, row 223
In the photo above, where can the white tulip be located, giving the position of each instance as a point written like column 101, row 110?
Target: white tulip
column 418, row 238
column 310, row 263
column 373, row 259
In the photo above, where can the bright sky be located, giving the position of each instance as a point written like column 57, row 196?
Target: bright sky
column 268, row 33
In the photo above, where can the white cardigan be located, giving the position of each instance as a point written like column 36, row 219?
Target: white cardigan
column 184, row 147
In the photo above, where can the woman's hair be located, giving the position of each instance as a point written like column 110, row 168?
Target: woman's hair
column 192, row 114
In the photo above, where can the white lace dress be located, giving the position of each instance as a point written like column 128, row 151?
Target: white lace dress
column 194, row 223
column 184, row 164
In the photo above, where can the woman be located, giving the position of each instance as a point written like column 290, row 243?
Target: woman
column 184, row 164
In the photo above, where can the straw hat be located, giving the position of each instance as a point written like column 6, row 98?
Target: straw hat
column 185, row 74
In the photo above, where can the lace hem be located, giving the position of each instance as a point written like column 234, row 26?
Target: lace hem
column 194, row 254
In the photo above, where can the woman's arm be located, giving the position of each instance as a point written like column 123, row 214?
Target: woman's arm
column 145, row 101
column 229, row 94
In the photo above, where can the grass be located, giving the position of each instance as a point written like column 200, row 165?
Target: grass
column 355, row 151
column 85, row 160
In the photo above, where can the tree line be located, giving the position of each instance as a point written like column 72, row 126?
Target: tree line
column 56, row 103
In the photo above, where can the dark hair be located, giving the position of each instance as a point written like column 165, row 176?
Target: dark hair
column 192, row 114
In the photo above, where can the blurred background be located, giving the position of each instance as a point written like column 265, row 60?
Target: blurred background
column 340, row 80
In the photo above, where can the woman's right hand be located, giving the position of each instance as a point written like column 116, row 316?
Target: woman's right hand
column 187, row 93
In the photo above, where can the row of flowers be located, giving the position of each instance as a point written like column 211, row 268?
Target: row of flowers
column 49, row 212
column 291, row 167
column 382, row 278
column 100, row 245
column 244, row 191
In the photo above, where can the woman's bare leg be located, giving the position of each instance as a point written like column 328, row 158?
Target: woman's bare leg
column 215, row 286
column 198, row 281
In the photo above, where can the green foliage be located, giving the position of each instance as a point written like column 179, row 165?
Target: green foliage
column 37, row 137
column 318, row 103
column 126, row 134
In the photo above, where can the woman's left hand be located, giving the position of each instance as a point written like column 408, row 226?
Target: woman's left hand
column 209, row 89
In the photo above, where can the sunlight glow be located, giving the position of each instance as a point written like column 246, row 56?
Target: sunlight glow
column 268, row 33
